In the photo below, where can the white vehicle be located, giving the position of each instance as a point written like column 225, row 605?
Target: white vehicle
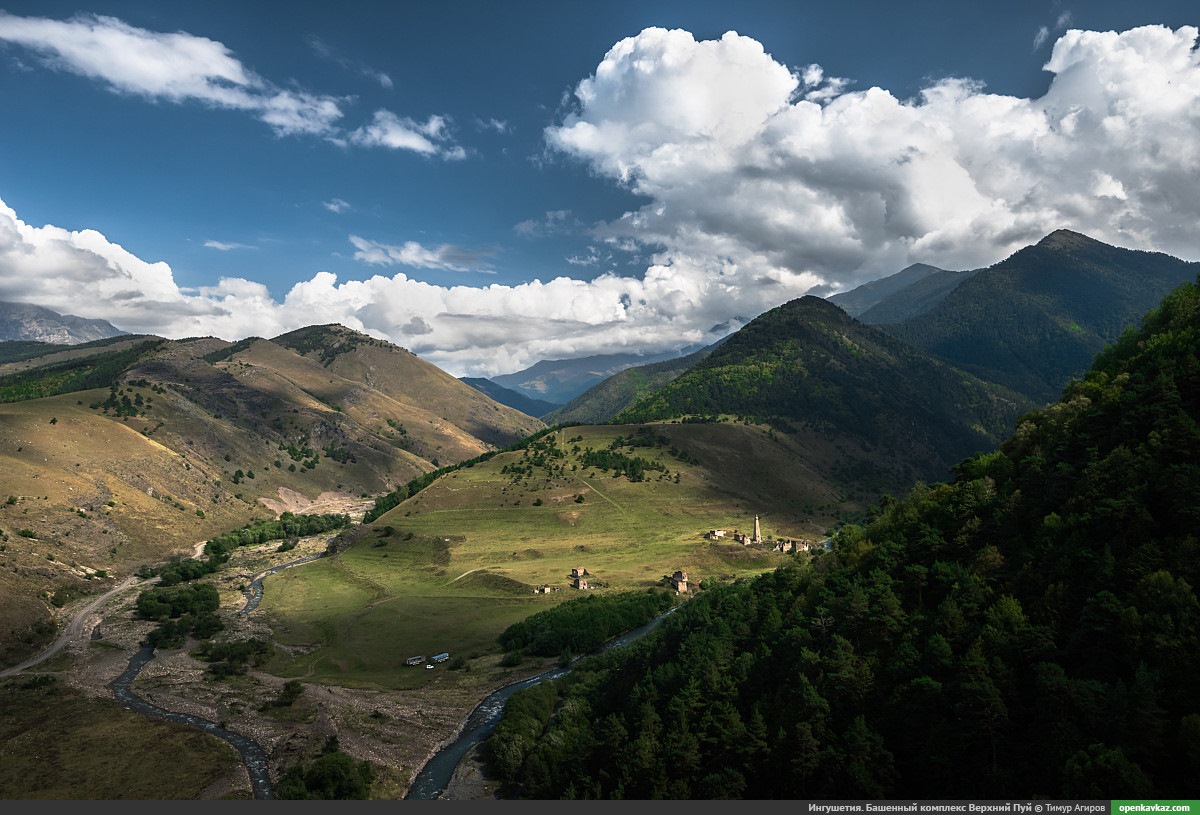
column 428, row 667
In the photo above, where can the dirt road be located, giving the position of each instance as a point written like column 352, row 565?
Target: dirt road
column 74, row 628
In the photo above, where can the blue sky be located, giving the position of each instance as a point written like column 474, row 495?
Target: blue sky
column 494, row 183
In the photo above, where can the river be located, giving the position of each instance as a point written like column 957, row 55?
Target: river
column 252, row 753
column 433, row 779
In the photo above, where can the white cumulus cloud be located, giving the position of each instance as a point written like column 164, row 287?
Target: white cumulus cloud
column 175, row 67
column 783, row 175
column 467, row 330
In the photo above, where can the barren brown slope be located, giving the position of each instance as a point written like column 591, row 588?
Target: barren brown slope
column 354, row 416
column 405, row 377
column 88, row 498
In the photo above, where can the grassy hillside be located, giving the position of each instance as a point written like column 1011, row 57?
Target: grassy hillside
column 406, row 378
column 60, row 744
column 451, row 567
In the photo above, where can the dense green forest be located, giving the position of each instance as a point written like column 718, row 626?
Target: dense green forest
column 1037, row 318
column 19, row 350
column 1028, row 629
column 584, row 624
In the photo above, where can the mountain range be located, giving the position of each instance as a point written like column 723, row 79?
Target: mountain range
column 510, row 397
column 1026, row 324
column 130, row 449
column 1038, row 317
column 24, row 322
column 561, row 380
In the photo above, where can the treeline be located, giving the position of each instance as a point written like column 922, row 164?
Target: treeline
column 287, row 525
column 20, row 350
column 218, row 550
column 584, row 624
column 1028, row 630
column 397, row 496
column 97, row 371
column 190, row 610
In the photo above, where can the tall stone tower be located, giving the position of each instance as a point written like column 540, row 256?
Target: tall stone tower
column 757, row 532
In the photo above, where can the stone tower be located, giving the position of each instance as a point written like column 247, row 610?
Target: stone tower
column 757, row 532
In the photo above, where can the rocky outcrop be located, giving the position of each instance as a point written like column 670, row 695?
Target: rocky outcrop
column 21, row 321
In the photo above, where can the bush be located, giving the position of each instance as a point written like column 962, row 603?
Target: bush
column 333, row 776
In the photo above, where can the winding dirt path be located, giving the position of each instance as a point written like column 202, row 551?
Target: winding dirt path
column 74, row 628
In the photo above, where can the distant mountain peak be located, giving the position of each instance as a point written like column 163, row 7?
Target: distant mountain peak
column 857, row 301
column 22, row 321
column 1066, row 239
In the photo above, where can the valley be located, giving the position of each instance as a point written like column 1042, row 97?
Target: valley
column 121, row 458
column 448, row 569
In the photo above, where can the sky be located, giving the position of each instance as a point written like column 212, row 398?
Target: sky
column 490, row 184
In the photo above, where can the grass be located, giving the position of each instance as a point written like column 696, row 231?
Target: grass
column 452, row 567
column 58, row 744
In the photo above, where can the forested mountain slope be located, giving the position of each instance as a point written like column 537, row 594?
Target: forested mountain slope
column 1030, row 629
column 605, row 400
column 1037, row 318
column 915, row 299
column 870, row 294
column 807, row 365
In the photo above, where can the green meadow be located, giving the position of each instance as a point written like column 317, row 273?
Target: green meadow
column 451, row 567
